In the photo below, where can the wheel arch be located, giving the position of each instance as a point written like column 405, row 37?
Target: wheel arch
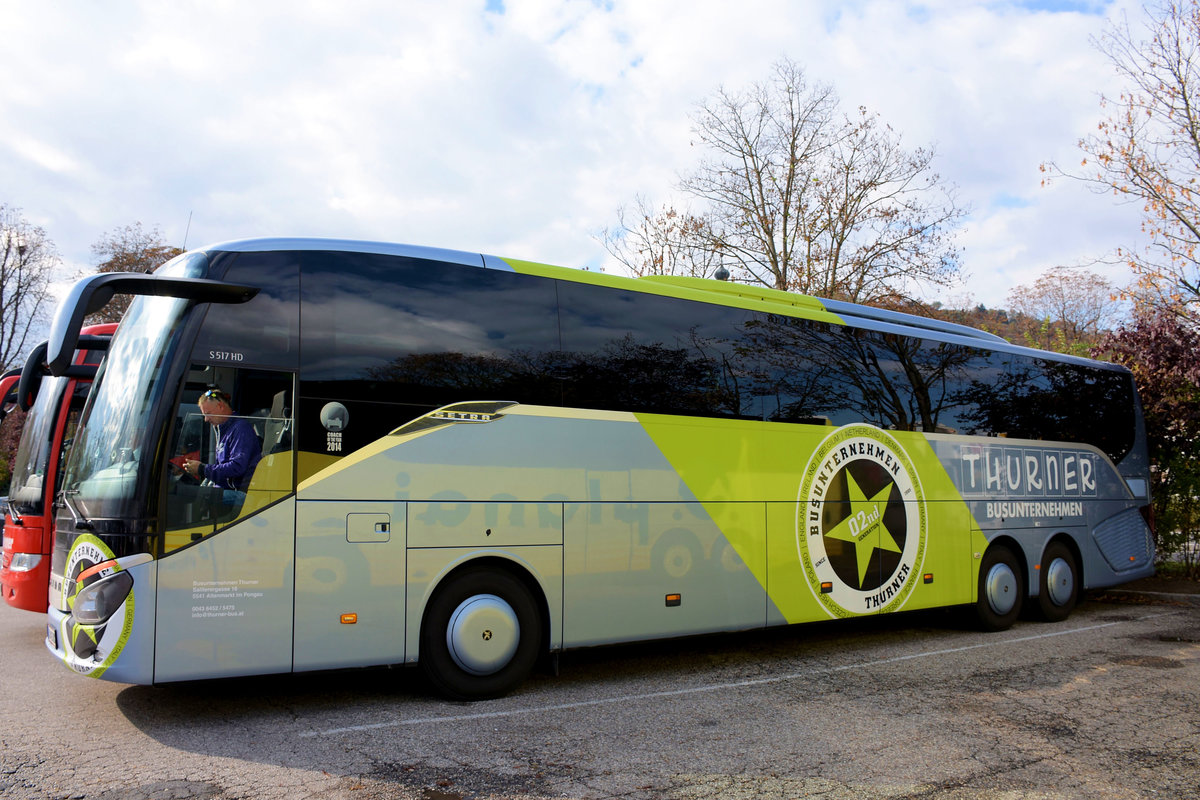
column 1068, row 541
column 496, row 563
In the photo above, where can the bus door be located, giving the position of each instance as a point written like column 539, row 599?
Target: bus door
column 226, row 565
column 351, row 540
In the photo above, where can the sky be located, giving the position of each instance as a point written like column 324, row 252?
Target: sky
column 519, row 127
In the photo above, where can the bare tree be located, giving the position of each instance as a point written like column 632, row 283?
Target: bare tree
column 757, row 181
column 27, row 260
column 664, row 242
column 888, row 223
column 1069, row 309
column 128, row 249
column 802, row 198
column 1148, row 149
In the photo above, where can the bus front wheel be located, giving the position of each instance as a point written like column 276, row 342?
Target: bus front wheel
column 481, row 635
column 1001, row 589
column 1058, row 583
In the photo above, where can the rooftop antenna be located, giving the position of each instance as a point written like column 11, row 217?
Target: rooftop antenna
column 187, row 230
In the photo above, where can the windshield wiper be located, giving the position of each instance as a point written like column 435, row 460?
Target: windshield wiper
column 81, row 522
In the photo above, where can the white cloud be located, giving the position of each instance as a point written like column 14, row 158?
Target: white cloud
column 519, row 132
column 40, row 154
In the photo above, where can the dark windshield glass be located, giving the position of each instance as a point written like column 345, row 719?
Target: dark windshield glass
column 265, row 331
column 26, row 493
column 104, row 468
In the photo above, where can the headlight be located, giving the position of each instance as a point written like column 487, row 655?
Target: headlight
column 94, row 604
column 23, row 562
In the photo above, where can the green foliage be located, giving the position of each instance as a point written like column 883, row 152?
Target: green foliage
column 1177, row 512
column 1047, row 335
column 1013, row 326
column 1162, row 349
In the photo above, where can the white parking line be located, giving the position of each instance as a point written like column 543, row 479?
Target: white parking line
column 716, row 687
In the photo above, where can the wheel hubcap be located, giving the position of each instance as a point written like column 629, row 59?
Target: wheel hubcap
column 483, row 634
column 1060, row 581
column 1001, row 588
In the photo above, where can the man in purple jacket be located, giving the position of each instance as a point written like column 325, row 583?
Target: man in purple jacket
column 238, row 447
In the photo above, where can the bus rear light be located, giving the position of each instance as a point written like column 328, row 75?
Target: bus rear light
column 24, row 562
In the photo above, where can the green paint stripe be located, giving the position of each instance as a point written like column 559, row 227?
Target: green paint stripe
column 751, row 298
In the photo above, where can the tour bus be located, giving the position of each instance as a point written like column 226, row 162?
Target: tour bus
column 473, row 463
column 52, row 406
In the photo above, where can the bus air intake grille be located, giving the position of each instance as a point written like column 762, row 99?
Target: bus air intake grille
column 1120, row 543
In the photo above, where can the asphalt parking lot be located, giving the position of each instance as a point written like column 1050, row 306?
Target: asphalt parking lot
column 1104, row 705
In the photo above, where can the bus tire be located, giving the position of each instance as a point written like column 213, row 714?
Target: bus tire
column 1058, row 583
column 481, row 635
column 1001, row 589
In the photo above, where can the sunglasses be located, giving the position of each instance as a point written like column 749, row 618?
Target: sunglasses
column 215, row 394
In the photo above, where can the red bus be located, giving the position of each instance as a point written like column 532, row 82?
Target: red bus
column 53, row 405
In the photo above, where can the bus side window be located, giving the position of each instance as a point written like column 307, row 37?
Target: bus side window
column 272, row 478
column 196, row 509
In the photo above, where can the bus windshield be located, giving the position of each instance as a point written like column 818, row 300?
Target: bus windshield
column 33, row 453
column 102, row 474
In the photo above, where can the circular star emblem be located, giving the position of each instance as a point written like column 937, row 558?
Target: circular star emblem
column 95, row 647
column 860, row 522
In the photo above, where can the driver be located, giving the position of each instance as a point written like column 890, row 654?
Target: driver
column 238, row 447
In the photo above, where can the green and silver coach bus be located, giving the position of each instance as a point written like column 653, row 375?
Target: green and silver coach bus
column 471, row 463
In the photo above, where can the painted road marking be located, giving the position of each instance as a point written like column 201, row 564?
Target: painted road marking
column 715, row 687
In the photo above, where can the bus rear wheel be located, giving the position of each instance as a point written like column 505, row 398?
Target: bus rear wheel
column 1001, row 589
column 1058, row 583
column 481, row 635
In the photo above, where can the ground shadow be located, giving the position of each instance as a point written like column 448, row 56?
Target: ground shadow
column 284, row 720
